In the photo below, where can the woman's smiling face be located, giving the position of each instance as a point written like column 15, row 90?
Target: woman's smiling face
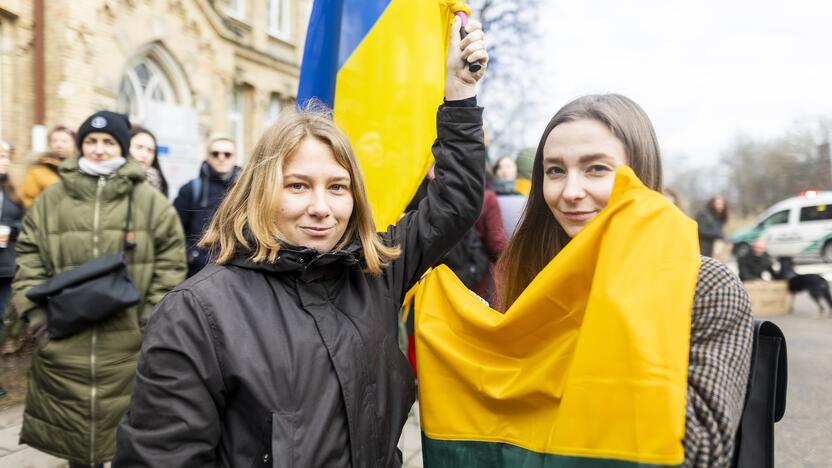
column 579, row 162
column 316, row 201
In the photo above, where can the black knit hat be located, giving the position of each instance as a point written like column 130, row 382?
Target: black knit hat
column 117, row 125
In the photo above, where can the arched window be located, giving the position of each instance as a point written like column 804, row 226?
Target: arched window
column 273, row 111
column 153, row 76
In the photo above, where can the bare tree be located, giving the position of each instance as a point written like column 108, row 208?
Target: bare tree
column 693, row 180
column 762, row 173
column 511, row 89
column 755, row 173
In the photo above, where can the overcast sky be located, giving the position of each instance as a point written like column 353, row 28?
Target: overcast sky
column 704, row 71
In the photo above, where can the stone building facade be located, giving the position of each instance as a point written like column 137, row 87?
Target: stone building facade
column 186, row 69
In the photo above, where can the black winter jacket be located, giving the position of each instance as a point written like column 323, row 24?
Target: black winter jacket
column 710, row 229
column 296, row 363
column 11, row 214
column 196, row 211
column 752, row 266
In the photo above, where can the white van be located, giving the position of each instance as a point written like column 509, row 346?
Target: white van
column 796, row 227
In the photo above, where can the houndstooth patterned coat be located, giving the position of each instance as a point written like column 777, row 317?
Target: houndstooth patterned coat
column 720, row 356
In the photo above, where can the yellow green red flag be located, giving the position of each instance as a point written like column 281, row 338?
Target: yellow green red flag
column 588, row 368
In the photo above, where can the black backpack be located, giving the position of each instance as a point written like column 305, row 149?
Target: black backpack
column 468, row 259
column 765, row 400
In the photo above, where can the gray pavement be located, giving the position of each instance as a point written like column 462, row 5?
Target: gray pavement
column 14, row 455
column 411, row 441
column 802, row 438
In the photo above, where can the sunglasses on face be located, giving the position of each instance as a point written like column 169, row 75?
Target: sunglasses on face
column 224, row 154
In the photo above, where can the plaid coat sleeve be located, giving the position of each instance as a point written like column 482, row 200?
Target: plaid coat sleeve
column 720, row 356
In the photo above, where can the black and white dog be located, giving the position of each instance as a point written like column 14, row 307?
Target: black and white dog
column 816, row 285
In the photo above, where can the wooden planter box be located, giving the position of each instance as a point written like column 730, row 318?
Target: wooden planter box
column 769, row 298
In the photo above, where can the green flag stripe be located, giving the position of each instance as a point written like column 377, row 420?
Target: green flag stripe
column 456, row 454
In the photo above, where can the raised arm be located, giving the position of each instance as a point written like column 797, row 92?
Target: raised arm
column 454, row 198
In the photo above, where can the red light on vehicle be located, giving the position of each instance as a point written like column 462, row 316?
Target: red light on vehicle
column 809, row 194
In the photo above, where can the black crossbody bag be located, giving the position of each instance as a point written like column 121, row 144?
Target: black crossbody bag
column 81, row 297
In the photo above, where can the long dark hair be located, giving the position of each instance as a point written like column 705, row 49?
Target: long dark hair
column 711, row 207
column 155, row 164
column 539, row 237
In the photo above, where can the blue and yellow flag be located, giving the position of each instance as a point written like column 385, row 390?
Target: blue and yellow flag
column 588, row 368
column 380, row 64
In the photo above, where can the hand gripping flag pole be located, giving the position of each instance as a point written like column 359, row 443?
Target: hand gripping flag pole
column 380, row 66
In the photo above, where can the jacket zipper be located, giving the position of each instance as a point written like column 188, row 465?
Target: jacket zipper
column 267, row 440
column 94, row 338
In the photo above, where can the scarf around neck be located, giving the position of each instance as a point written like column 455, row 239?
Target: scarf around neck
column 106, row 168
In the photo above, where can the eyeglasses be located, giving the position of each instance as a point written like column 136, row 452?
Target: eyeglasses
column 225, row 154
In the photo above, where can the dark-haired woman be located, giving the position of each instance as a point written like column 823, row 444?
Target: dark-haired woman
column 712, row 224
column 572, row 181
column 144, row 149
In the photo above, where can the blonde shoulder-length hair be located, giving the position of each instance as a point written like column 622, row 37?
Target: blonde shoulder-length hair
column 245, row 220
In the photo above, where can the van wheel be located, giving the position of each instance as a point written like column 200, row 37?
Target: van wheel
column 826, row 252
column 742, row 249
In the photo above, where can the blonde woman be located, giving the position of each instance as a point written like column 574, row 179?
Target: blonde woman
column 283, row 352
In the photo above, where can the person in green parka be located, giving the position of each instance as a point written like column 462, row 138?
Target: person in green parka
column 79, row 386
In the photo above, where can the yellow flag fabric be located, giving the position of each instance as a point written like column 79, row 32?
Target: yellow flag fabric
column 523, row 186
column 589, row 363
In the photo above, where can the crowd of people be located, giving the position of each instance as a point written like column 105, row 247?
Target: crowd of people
column 95, row 192
column 281, row 346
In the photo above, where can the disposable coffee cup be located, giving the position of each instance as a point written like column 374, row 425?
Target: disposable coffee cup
column 5, row 231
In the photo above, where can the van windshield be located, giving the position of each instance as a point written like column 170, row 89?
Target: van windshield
column 781, row 217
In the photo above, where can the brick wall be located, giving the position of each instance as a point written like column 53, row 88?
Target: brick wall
column 90, row 43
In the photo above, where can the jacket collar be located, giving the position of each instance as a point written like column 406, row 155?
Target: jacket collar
column 48, row 159
column 206, row 171
column 309, row 263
